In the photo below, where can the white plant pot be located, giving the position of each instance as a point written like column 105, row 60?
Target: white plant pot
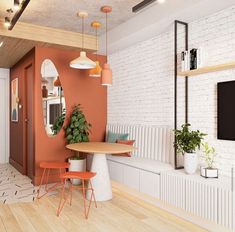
column 77, row 166
column 190, row 162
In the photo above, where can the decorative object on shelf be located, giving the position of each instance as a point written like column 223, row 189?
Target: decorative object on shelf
column 106, row 74
column 44, row 91
column 82, row 62
column 14, row 100
column 77, row 131
column 96, row 72
column 187, row 142
column 209, row 156
column 193, row 59
column 57, row 82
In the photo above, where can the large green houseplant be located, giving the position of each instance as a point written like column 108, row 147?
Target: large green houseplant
column 187, row 143
column 77, row 130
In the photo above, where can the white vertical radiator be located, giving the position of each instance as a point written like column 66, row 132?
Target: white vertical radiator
column 210, row 199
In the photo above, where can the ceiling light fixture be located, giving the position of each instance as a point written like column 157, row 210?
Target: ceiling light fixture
column 16, row 5
column 57, row 82
column 142, row 5
column 19, row 12
column 106, row 73
column 161, row 1
column 7, row 22
column 82, row 62
column 96, row 72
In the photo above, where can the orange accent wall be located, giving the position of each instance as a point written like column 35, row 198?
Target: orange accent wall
column 78, row 87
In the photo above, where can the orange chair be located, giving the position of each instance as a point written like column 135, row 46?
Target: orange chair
column 84, row 176
column 47, row 166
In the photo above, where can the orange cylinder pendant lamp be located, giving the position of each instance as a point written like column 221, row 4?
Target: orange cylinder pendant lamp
column 96, row 72
column 106, row 73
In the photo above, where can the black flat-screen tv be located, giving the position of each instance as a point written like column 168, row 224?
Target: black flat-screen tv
column 226, row 110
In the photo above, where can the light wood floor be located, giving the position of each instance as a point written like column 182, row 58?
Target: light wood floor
column 123, row 213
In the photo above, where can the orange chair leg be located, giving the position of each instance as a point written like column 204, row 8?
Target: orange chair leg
column 62, row 199
column 42, row 178
column 84, row 198
column 47, row 178
column 71, row 193
column 93, row 194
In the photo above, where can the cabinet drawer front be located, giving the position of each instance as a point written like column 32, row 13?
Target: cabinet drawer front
column 150, row 183
column 131, row 177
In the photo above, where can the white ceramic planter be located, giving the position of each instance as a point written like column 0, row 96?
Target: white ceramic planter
column 190, row 162
column 209, row 172
column 77, row 166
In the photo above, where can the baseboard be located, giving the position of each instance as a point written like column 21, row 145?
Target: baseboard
column 206, row 224
column 16, row 165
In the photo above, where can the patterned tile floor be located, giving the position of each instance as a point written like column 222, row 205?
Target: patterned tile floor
column 14, row 187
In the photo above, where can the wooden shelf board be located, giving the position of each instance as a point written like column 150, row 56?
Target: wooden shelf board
column 208, row 69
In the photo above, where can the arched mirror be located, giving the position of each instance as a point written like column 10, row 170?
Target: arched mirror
column 53, row 101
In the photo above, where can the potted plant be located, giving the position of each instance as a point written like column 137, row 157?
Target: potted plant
column 77, row 130
column 209, row 157
column 187, row 142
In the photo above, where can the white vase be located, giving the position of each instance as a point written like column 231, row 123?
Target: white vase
column 77, row 166
column 190, row 162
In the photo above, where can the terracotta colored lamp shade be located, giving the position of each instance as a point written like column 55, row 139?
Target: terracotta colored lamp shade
column 96, row 72
column 57, row 82
column 106, row 75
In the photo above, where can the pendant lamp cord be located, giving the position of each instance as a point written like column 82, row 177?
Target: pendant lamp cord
column 106, row 34
column 96, row 34
column 82, row 33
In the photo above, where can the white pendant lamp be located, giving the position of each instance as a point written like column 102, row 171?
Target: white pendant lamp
column 82, row 62
column 106, row 73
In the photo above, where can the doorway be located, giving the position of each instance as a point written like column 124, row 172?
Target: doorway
column 29, row 122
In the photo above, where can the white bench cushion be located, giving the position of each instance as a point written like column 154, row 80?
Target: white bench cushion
column 140, row 163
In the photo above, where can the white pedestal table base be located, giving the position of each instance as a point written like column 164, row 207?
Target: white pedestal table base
column 101, row 182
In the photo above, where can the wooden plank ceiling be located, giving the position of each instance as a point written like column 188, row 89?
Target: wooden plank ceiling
column 24, row 37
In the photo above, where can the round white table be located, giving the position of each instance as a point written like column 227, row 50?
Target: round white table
column 101, row 182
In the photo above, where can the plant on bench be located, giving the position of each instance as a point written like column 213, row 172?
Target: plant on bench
column 187, row 142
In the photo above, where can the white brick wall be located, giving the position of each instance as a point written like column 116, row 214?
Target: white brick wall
column 143, row 81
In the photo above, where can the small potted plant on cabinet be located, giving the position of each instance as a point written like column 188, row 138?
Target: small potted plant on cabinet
column 187, row 142
column 209, row 157
column 77, row 131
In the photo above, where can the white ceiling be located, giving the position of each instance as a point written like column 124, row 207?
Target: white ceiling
column 159, row 18
column 62, row 13
column 125, row 27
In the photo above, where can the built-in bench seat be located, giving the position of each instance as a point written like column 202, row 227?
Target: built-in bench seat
column 153, row 166
column 154, row 154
